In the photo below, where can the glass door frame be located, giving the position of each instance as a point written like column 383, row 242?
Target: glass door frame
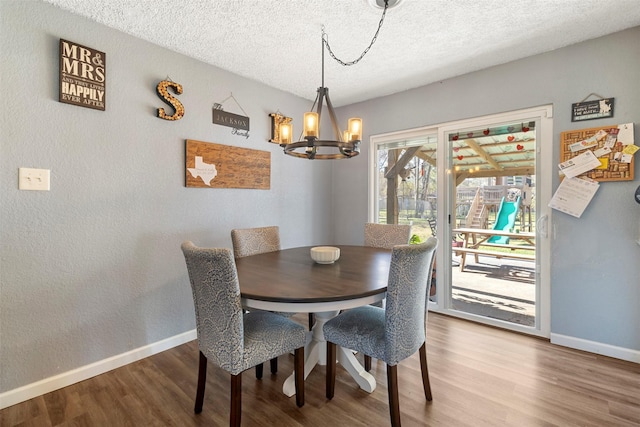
column 543, row 116
column 375, row 142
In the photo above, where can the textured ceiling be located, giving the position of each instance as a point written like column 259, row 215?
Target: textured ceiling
column 278, row 43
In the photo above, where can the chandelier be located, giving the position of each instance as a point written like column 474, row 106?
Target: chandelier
column 346, row 144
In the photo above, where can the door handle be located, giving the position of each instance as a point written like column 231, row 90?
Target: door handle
column 542, row 226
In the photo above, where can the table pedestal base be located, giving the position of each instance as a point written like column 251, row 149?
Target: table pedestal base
column 315, row 353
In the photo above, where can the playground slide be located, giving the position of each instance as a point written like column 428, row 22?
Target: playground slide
column 505, row 220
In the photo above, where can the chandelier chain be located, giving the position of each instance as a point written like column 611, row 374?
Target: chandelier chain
column 325, row 40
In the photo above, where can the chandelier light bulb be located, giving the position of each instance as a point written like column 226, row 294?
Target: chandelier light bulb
column 355, row 129
column 310, row 125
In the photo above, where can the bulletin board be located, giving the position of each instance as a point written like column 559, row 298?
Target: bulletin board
column 610, row 169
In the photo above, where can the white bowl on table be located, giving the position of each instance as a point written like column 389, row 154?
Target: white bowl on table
column 325, row 254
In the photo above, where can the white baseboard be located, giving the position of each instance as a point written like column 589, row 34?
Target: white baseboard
column 597, row 347
column 47, row 385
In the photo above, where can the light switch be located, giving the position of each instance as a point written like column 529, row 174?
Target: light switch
column 33, row 179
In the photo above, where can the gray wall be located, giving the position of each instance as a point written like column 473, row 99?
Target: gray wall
column 595, row 273
column 93, row 268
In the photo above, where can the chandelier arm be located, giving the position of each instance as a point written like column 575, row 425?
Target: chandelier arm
column 332, row 116
column 325, row 41
column 321, row 96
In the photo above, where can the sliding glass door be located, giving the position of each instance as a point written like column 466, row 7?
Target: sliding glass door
column 481, row 187
column 405, row 174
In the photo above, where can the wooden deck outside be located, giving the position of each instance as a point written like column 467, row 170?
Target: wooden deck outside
column 502, row 289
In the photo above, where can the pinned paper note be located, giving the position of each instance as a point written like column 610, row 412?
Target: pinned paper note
column 604, row 151
column 621, row 157
column 579, row 164
column 625, row 134
column 584, row 144
column 589, row 142
column 604, row 163
column 612, row 138
column 573, row 196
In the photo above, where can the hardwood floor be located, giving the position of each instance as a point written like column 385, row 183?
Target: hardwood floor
column 480, row 376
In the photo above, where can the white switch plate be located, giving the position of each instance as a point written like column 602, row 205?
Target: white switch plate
column 34, row 179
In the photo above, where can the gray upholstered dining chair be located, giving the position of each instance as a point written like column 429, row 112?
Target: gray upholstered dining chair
column 254, row 241
column 386, row 235
column 394, row 333
column 230, row 339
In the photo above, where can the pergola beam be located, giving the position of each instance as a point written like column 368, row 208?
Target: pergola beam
column 522, row 171
column 486, row 156
column 402, row 162
column 422, row 155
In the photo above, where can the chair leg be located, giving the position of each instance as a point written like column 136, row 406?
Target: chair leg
column 274, row 365
column 259, row 370
column 202, row 381
column 394, row 403
column 299, row 376
column 236, row 400
column 331, row 369
column 425, row 372
column 312, row 320
column 367, row 363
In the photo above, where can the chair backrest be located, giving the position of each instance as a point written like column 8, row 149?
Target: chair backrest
column 409, row 281
column 216, row 298
column 386, row 235
column 253, row 241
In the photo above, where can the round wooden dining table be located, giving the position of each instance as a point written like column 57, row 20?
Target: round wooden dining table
column 290, row 281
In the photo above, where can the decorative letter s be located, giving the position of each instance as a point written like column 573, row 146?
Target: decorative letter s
column 163, row 93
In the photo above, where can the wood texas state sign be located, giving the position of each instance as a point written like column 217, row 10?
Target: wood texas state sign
column 209, row 165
